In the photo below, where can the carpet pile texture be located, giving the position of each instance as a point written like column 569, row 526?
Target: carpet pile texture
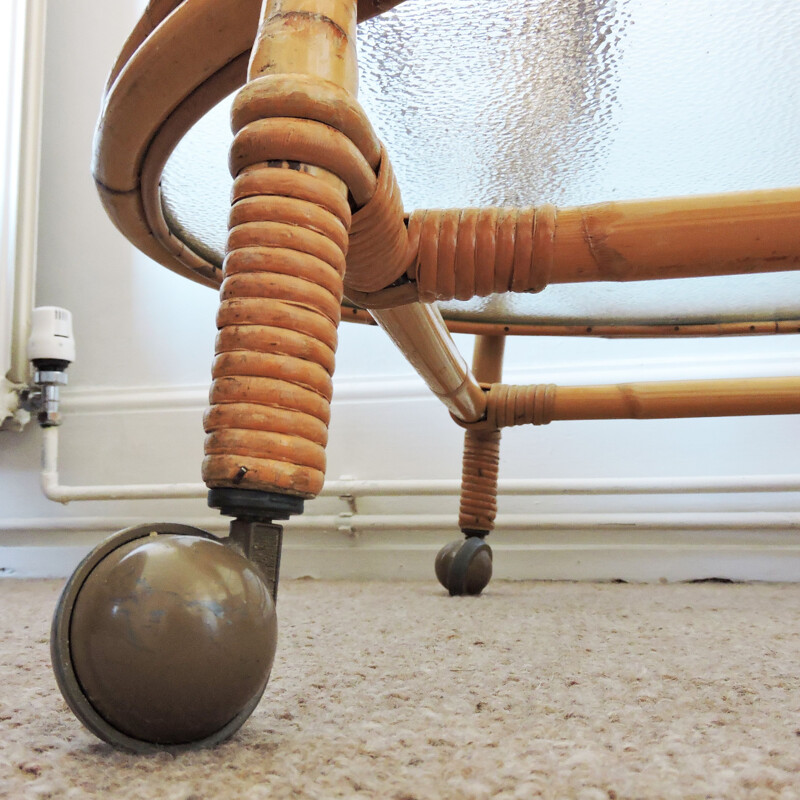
column 396, row 691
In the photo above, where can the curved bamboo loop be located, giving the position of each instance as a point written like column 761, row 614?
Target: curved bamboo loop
column 307, row 142
column 247, row 10
column 304, row 97
column 182, row 58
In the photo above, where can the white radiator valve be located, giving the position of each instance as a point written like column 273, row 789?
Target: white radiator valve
column 51, row 346
column 51, row 349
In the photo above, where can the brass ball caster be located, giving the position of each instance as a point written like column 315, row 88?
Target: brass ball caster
column 163, row 639
column 465, row 566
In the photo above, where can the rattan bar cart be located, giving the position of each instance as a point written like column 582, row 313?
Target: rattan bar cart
column 165, row 635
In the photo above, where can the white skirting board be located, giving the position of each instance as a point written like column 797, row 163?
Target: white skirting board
column 393, row 429
column 542, row 555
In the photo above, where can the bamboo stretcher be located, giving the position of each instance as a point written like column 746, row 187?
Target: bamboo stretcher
column 331, row 228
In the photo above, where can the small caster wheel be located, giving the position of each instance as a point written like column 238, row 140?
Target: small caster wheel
column 465, row 566
column 163, row 639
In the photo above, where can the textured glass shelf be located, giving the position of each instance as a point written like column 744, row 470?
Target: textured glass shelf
column 569, row 102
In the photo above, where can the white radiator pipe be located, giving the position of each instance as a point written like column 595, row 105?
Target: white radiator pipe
column 394, row 488
column 53, row 490
column 573, row 486
column 420, row 523
column 709, row 520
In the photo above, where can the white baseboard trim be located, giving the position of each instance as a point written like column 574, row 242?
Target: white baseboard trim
column 397, row 537
column 396, row 562
column 643, row 547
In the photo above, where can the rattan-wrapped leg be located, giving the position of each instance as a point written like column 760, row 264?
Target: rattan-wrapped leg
column 465, row 566
column 479, row 471
column 280, row 298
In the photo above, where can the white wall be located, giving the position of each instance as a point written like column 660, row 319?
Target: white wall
column 145, row 339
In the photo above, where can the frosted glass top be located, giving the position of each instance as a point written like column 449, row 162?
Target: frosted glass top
column 569, row 102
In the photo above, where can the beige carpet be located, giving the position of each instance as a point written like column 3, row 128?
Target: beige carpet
column 552, row 690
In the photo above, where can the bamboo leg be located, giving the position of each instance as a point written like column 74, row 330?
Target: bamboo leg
column 465, row 566
column 482, row 449
column 279, row 312
column 422, row 336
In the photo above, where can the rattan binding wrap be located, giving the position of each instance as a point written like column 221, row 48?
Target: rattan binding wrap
column 313, row 121
column 280, row 297
column 507, row 406
column 479, row 469
column 270, row 396
column 380, row 248
column 287, row 252
column 464, row 253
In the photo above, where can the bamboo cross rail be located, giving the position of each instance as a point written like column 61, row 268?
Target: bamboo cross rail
column 541, row 404
column 464, row 253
